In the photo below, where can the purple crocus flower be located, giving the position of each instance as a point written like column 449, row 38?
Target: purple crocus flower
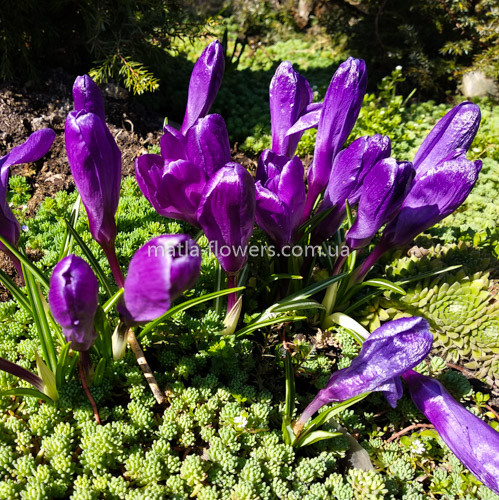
column 206, row 78
column 350, row 167
column 173, row 182
column 291, row 105
column 456, row 130
column 381, row 194
column 388, row 352
column 226, row 214
column 341, row 107
column 171, row 263
column 280, row 196
column 432, row 197
column 73, row 300
column 36, row 146
column 475, row 443
column 95, row 162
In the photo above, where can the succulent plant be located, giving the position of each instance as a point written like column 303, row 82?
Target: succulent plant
column 460, row 305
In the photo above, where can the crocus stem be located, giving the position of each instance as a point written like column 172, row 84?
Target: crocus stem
column 314, row 405
column 81, row 371
column 309, row 204
column 231, row 283
column 338, row 264
column 110, row 253
column 359, row 274
column 144, row 366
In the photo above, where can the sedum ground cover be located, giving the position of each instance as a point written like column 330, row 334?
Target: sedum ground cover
column 220, row 435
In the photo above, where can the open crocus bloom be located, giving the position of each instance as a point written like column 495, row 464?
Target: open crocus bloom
column 388, row 352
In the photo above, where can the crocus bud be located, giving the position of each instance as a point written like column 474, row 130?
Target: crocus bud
column 206, row 78
column 73, row 300
column 280, row 196
column 341, row 107
column 475, row 443
column 350, row 167
column 382, row 192
column 33, row 149
column 388, row 352
column 432, row 197
column 95, row 162
column 226, row 214
column 289, row 96
column 456, row 130
column 87, row 97
column 171, row 263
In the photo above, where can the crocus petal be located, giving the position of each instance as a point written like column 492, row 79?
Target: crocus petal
column 205, row 81
column 95, row 162
column 350, row 167
column 388, row 352
column 456, row 130
column 87, row 97
column 173, row 188
column 432, row 197
column 475, row 443
column 383, row 190
column 289, row 94
column 308, row 119
column 269, row 167
column 272, row 216
column 172, row 264
column 226, row 213
column 208, row 144
column 73, row 300
column 36, row 146
column 172, row 144
column 341, row 107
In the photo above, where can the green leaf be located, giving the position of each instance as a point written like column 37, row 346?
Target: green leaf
column 26, row 263
column 385, row 284
column 37, row 302
column 290, row 388
column 60, row 371
column 67, row 242
column 186, row 305
column 91, row 259
column 287, row 433
column 429, row 274
column 298, row 306
column 16, row 292
column 48, row 377
column 314, row 437
column 26, row 391
column 309, row 225
column 267, row 322
column 99, row 372
column 113, row 300
column 348, row 323
column 103, row 341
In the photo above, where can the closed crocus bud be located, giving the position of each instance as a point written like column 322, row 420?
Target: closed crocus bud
column 280, row 196
column 33, row 149
column 87, row 96
column 475, row 443
column 172, row 264
column 73, row 300
column 226, row 214
column 341, row 107
column 350, row 167
column 289, row 96
column 382, row 192
column 388, row 352
column 205, row 81
column 456, row 130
